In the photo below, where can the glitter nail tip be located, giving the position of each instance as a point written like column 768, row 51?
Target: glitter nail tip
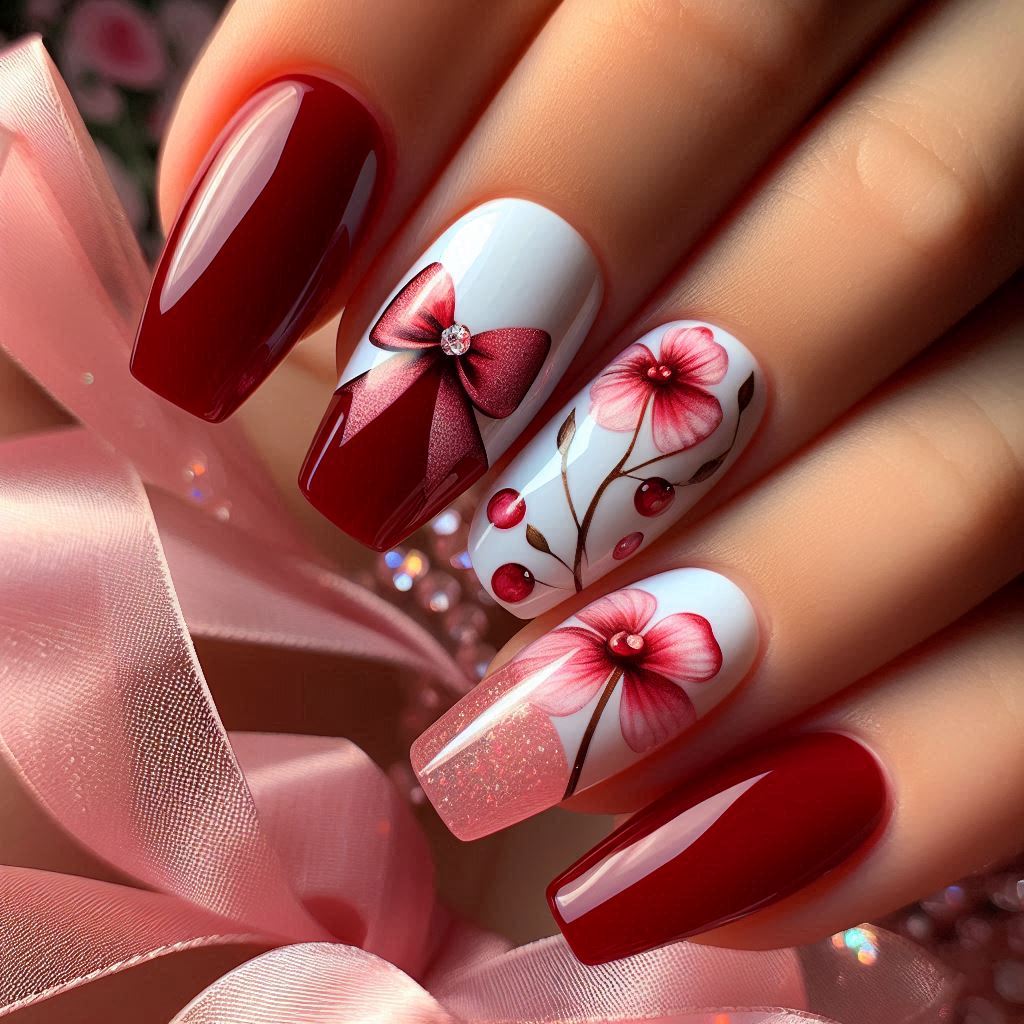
column 626, row 675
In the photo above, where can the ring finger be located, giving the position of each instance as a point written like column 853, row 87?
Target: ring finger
column 916, row 171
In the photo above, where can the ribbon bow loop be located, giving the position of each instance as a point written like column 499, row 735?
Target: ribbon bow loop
column 494, row 373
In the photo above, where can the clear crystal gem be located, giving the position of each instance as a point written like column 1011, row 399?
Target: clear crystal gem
column 455, row 340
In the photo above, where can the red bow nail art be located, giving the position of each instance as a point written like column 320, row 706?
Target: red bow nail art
column 494, row 369
column 414, row 413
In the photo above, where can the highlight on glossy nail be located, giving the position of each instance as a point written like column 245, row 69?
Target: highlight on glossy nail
column 620, row 463
column 261, row 239
column 627, row 674
column 722, row 847
column 455, row 364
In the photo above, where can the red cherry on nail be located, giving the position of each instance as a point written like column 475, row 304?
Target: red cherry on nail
column 627, row 546
column 512, row 582
column 653, row 496
column 506, row 509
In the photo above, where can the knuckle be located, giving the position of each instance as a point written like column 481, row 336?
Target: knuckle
column 968, row 468
column 917, row 170
column 768, row 59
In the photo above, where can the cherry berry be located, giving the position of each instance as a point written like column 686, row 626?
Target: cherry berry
column 506, row 509
column 512, row 582
column 627, row 546
column 653, row 496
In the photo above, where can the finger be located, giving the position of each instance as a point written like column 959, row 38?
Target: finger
column 909, row 781
column 306, row 131
column 612, row 145
column 847, row 557
column 893, row 217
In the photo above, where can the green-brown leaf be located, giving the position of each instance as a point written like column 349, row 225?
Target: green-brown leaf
column 536, row 539
column 566, row 432
column 745, row 395
column 709, row 469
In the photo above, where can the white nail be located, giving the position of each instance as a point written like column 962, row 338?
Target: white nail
column 637, row 448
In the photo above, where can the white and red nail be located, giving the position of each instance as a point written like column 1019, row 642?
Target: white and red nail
column 620, row 463
column 458, row 361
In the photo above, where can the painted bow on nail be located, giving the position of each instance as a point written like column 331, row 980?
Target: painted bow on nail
column 442, row 372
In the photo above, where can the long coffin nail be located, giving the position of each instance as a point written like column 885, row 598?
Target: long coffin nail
column 458, row 361
column 622, row 677
column 632, row 452
column 263, row 236
column 721, row 848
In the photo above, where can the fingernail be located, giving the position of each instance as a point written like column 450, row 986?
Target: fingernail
column 623, row 676
column 456, row 363
column 638, row 447
column 262, row 237
column 721, row 848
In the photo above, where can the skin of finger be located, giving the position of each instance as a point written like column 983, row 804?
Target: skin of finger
column 426, row 70
column 897, row 213
column 637, row 122
column 886, row 531
column 947, row 725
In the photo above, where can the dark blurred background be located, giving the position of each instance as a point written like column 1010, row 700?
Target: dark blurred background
column 125, row 61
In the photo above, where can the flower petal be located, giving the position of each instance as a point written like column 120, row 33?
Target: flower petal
column 571, row 664
column 683, row 416
column 416, row 316
column 630, row 610
column 652, row 710
column 682, row 647
column 500, row 366
column 694, row 355
column 618, row 396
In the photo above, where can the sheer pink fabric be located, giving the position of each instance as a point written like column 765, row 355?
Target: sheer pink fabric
column 72, row 285
column 145, row 834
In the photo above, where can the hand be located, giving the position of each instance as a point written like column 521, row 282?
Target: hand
column 598, row 160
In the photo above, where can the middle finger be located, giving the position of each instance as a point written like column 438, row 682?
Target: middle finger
column 516, row 282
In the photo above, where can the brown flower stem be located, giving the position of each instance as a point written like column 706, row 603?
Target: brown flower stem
column 679, row 451
column 560, row 560
column 568, row 495
column 588, row 516
column 588, row 733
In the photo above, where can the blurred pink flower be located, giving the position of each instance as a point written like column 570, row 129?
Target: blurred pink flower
column 99, row 101
column 118, row 41
column 42, row 11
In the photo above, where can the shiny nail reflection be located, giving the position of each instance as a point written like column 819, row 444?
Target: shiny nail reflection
column 720, row 848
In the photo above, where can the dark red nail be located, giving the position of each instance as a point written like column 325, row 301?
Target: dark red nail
column 721, row 848
column 263, row 236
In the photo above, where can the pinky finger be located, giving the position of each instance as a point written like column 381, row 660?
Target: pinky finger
column 908, row 781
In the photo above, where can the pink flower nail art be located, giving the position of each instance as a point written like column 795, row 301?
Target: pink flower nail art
column 627, row 674
column 622, row 461
column 673, row 384
column 610, row 648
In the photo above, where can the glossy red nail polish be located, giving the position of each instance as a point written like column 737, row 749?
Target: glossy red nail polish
column 721, row 848
column 266, row 230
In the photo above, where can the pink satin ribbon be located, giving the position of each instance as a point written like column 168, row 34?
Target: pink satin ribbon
column 72, row 286
column 155, row 853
